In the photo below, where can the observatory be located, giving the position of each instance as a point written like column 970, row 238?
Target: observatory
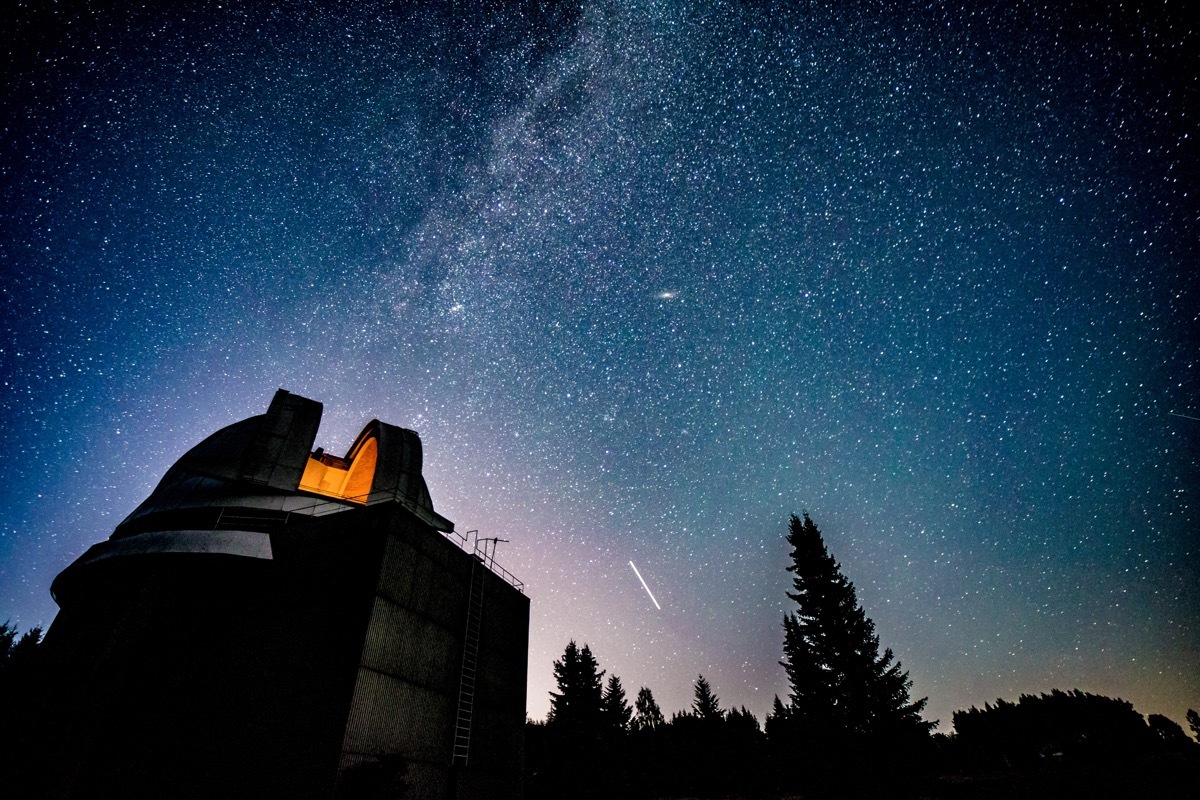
column 276, row 621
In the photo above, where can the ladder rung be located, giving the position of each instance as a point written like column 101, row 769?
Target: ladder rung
column 466, row 685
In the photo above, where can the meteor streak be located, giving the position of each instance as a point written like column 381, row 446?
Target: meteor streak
column 644, row 586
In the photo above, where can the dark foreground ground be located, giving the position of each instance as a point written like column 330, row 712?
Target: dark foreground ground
column 1167, row 777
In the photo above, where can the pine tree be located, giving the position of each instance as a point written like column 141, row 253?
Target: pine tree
column 706, row 705
column 742, row 719
column 649, row 753
column 777, row 721
column 616, row 707
column 649, row 716
column 574, row 757
column 8, row 634
column 579, row 701
column 845, row 698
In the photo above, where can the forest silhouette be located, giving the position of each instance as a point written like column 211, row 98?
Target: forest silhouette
column 847, row 728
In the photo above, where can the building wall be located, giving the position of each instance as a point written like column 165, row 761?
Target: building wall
column 406, row 696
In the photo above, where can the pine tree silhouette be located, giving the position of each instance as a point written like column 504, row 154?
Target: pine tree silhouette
column 616, row 707
column 649, row 716
column 848, row 712
column 579, row 700
column 706, row 705
column 577, row 739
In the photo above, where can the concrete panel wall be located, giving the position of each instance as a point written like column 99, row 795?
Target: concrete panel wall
column 411, row 646
column 406, row 696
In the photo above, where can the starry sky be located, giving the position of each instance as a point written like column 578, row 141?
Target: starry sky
column 647, row 278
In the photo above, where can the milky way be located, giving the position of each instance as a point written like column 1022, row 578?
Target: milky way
column 646, row 278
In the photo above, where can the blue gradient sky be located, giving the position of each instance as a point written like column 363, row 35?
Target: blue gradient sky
column 646, row 278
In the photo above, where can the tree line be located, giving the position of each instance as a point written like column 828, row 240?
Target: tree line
column 847, row 728
column 594, row 743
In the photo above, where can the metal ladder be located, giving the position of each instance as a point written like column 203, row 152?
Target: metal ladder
column 470, row 663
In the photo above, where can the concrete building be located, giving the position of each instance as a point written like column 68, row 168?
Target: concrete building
column 275, row 621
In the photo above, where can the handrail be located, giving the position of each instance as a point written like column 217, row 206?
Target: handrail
column 508, row 576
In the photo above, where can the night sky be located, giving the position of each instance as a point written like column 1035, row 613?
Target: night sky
column 647, row 278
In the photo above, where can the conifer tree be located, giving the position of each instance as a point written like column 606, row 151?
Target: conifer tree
column 706, row 705
column 845, row 697
column 579, row 701
column 575, row 746
column 616, row 707
column 650, row 749
column 648, row 715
